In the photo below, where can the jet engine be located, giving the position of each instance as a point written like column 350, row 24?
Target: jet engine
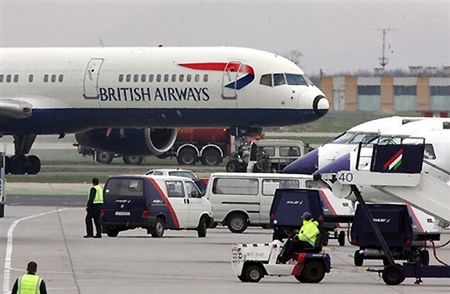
column 130, row 141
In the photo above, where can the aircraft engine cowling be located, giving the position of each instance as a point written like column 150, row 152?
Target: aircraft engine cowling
column 129, row 141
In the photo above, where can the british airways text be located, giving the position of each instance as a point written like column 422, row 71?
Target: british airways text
column 157, row 94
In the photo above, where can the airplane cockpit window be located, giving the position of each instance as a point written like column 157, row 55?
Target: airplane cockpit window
column 278, row 79
column 297, row 80
column 266, row 80
column 429, row 152
column 362, row 137
column 343, row 138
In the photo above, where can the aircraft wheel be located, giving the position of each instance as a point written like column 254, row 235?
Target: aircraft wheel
column 34, row 165
column 133, row 159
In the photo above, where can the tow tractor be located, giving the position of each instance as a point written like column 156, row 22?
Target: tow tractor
column 397, row 169
column 251, row 262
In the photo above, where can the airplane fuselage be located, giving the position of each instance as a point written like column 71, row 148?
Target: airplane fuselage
column 58, row 90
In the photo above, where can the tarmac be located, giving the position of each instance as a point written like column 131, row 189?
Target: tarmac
column 180, row 262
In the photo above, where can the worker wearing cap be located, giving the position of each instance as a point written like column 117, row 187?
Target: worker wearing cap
column 307, row 238
column 30, row 283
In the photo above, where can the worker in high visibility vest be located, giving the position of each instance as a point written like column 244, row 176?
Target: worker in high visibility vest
column 93, row 208
column 306, row 238
column 30, row 283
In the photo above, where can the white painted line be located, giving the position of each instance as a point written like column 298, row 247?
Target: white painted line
column 9, row 248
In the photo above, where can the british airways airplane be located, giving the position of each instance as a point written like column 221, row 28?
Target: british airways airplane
column 151, row 90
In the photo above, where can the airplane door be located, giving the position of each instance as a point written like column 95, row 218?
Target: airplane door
column 229, row 80
column 91, row 75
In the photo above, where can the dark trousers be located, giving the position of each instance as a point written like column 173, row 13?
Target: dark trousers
column 93, row 213
column 292, row 246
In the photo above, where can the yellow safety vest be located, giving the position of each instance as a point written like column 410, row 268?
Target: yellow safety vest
column 98, row 199
column 29, row 284
column 309, row 232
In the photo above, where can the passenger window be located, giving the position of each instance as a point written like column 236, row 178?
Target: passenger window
column 157, row 173
column 143, row 78
column 278, row 79
column 30, row 78
column 293, row 79
column 60, row 78
column 1, row 78
column 45, row 78
column 181, row 79
column 266, row 80
column 8, row 78
column 53, row 78
column 136, row 78
column 205, row 78
column 120, row 78
column 269, row 186
column 175, row 189
column 16, row 78
column 125, row 187
column 192, row 190
column 128, row 78
column 429, row 152
column 270, row 151
column 166, row 78
column 158, row 78
column 290, row 151
column 197, row 78
column 188, row 78
column 232, row 186
column 174, row 78
column 150, row 78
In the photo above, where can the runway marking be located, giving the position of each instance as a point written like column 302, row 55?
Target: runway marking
column 9, row 247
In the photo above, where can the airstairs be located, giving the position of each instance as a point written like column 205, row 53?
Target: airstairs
column 400, row 171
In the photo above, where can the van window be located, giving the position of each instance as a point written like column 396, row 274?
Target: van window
column 429, row 152
column 235, row 186
column 125, row 187
column 182, row 173
column 270, row 185
column 175, row 189
column 290, row 151
column 190, row 187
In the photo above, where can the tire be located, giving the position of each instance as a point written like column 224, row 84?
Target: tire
column 242, row 279
column 393, row 274
column 253, row 273
column 187, row 156
column 104, row 157
column 34, row 165
column 111, row 232
column 237, row 222
column 424, row 257
column 358, row 258
column 18, row 165
column 211, row 156
column 202, row 227
column 325, row 238
column 313, row 272
column 157, row 230
column 232, row 166
column 341, row 238
column 133, row 159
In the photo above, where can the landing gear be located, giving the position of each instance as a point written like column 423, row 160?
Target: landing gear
column 20, row 164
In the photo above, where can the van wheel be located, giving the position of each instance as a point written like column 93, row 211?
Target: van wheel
column 158, row 230
column 253, row 273
column 111, row 232
column 201, row 229
column 237, row 222
column 313, row 272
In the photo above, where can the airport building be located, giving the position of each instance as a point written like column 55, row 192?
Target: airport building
column 419, row 91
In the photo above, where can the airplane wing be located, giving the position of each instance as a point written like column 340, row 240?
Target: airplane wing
column 14, row 109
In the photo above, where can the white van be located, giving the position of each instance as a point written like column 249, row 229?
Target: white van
column 243, row 199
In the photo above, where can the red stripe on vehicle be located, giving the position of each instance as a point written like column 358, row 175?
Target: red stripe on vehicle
column 415, row 219
column 173, row 215
column 327, row 202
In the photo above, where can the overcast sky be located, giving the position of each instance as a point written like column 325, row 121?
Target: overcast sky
column 332, row 35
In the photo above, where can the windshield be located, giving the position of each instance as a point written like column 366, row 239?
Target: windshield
column 354, row 138
column 294, row 79
column 185, row 174
column 343, row 138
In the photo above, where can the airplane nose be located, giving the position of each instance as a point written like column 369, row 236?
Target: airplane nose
column 342, row 163
column 320, row 105
column 305, row 165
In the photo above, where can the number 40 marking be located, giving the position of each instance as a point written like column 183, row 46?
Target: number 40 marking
column 346, row 177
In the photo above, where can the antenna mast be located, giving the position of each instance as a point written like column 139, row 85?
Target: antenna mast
column 383, row 59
